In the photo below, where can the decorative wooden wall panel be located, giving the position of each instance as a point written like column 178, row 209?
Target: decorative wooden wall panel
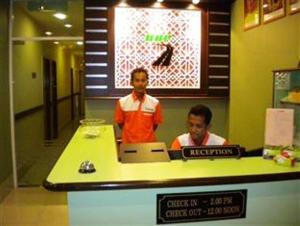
column 96, row 49
column 99, row 54
column 218, row 51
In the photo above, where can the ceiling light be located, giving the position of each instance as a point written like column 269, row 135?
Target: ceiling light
column 123, row 4
column 159, row 0
column 68, row 25
column 47, row 5
column 56, row 42
column 48, row 33
column 60, row 16
column 195, row 1
column 80, row 43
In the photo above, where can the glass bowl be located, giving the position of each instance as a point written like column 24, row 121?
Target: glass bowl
column 90, row 127
column 92, row 122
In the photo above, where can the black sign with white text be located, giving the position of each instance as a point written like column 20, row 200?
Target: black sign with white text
column 202, row 206
column 211, row 152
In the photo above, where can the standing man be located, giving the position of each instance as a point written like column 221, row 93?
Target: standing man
column 198, row 124
column 138, row 114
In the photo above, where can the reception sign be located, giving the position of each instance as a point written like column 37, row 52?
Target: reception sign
column 211, row 152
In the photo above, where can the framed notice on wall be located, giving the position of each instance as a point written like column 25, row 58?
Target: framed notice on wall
column 293, row 6
column 272, row 10
column 166, row 42
column 251, row 13
column 279, row 128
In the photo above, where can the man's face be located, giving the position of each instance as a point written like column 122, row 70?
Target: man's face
column 197, row 127
column 139, row 82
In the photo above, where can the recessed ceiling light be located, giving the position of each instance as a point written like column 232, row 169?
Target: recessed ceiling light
column 56, row 42
column 48, row 33
column 60, row 16
column 195, row 1
column 68, row 25
column 123, row 4
column 80, row 43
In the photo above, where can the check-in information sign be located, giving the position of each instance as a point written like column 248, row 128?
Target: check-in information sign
column 203, row 206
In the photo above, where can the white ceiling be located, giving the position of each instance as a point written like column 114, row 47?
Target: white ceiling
column 74, row 12
column 48, row 22
column 74, row 15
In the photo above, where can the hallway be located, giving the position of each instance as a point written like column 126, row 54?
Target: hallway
column 48, row 92
column 48, row 152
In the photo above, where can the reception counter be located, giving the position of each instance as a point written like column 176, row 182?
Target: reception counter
column 128, row 194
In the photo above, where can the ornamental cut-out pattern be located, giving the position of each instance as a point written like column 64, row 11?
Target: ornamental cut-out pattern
column 133, row 48
column 282, row 81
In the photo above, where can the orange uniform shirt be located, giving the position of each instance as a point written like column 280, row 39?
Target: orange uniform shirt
column 186, row 140
column 138, row 118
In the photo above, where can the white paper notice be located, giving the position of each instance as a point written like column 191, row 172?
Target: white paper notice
column 279, row 128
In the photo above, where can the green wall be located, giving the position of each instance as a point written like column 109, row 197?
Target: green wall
column 27, row 59
column 24, row 83
column 23, row 24
column 254, row 54
column 28, row 91
column 174, row 112
column 61, row 56
column 5, row 147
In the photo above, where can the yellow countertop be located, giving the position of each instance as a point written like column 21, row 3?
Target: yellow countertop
column 112, row 174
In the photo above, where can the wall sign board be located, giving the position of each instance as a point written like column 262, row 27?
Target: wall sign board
column 186, row 51
column 202, row 206
column 141, row 35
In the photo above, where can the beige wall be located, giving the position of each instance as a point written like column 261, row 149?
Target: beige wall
column 254, row 54
column 5, row 146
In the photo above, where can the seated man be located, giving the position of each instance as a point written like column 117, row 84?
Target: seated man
column 198, row 123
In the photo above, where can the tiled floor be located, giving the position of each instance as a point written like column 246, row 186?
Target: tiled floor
column 34, row 206
column 42, row 163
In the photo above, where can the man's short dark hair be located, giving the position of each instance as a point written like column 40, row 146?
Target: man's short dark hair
column 138, row 70
column 201, row 110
